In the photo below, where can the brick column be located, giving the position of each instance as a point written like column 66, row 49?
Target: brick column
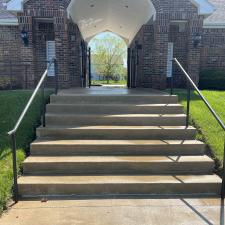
column 27, row 53
column 148, row 56
column 62, row 54
column 161, row 31
column 193, row 54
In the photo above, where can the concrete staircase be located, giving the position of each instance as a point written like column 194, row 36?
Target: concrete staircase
column 117, row 144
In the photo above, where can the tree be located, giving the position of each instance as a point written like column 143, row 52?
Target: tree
column 108, row 55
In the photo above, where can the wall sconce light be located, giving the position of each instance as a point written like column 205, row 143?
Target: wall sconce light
column 197, row 40
column 25, row 37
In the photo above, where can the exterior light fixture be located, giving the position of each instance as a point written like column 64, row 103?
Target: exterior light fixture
column 25, row 37
column 197, row 40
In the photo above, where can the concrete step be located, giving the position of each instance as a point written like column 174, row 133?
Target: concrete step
column 115, row 108
column 110, row 99
column 116, row 147
column 118, row 132
column 206, row 185
column 118, row 165
column 116, row 119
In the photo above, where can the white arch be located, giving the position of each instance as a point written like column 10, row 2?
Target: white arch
column 123, row 18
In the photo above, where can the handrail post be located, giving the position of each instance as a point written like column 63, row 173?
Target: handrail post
column 43, row 104
column 188, row 104
column 171, row 82
column 89, row 66
column 11, row 78
column 223, row 178
column 171, row 85
column 15, row 184
column 26, row 86
column 128, row 67
column 56, row 77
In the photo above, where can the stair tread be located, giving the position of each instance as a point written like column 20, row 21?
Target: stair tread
column 118, row 159
column 109, row 127
column 110, row 95
column 115, row 142
column 154, row 179
column 115, row 115
column 113, row 104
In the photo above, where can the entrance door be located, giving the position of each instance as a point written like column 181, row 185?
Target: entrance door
column 50, row 52
column 170, row 60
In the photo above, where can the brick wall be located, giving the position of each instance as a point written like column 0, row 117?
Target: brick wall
column 44, row 31
column 213, row 49
column 75, row 39
column 10, row 53
column 178, row 36
column 145, row 67
column 47, row 20
column 10, row 43
column 154, row 38
column 66, row 35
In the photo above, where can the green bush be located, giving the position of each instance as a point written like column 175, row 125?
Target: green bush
column 4, row 82
column 212, row 79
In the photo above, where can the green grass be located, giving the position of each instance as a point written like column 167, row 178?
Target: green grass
column 11, row 105
column 209, row 130
column 111, row 82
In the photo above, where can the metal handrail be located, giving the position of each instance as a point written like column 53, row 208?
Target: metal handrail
column 89, row 68
column 30, row 101
column 191, row 82
column 12, row 133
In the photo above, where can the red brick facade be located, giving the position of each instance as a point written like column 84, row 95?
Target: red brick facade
column 213, row 49
column 177, row 21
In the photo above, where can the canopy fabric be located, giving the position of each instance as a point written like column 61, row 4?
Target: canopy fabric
column 123, row 18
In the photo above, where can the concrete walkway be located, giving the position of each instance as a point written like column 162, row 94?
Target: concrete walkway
column 116, row 212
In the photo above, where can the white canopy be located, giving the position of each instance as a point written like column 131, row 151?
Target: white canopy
column 123, row 18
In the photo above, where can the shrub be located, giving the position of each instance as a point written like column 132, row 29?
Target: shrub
column 212, row 79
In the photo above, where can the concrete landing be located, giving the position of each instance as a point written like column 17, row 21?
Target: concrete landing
column 117, row 212
column 111, row 90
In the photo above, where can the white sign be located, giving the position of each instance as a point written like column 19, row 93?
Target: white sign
column 50, row 52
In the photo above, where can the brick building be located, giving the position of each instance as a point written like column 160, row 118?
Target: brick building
column 156, row 30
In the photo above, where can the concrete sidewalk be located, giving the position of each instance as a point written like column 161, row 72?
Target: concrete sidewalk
column 116, row 212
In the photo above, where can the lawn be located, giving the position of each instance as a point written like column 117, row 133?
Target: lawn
column 111, row 82
column 11, row 105
column 209, row 130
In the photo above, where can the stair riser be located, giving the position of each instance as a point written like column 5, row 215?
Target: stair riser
column 114, row 99
column 106, row 134
column 116, row 121
column 125, row 189
column 98, row 150
column 119, row 168
column 103, row 109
